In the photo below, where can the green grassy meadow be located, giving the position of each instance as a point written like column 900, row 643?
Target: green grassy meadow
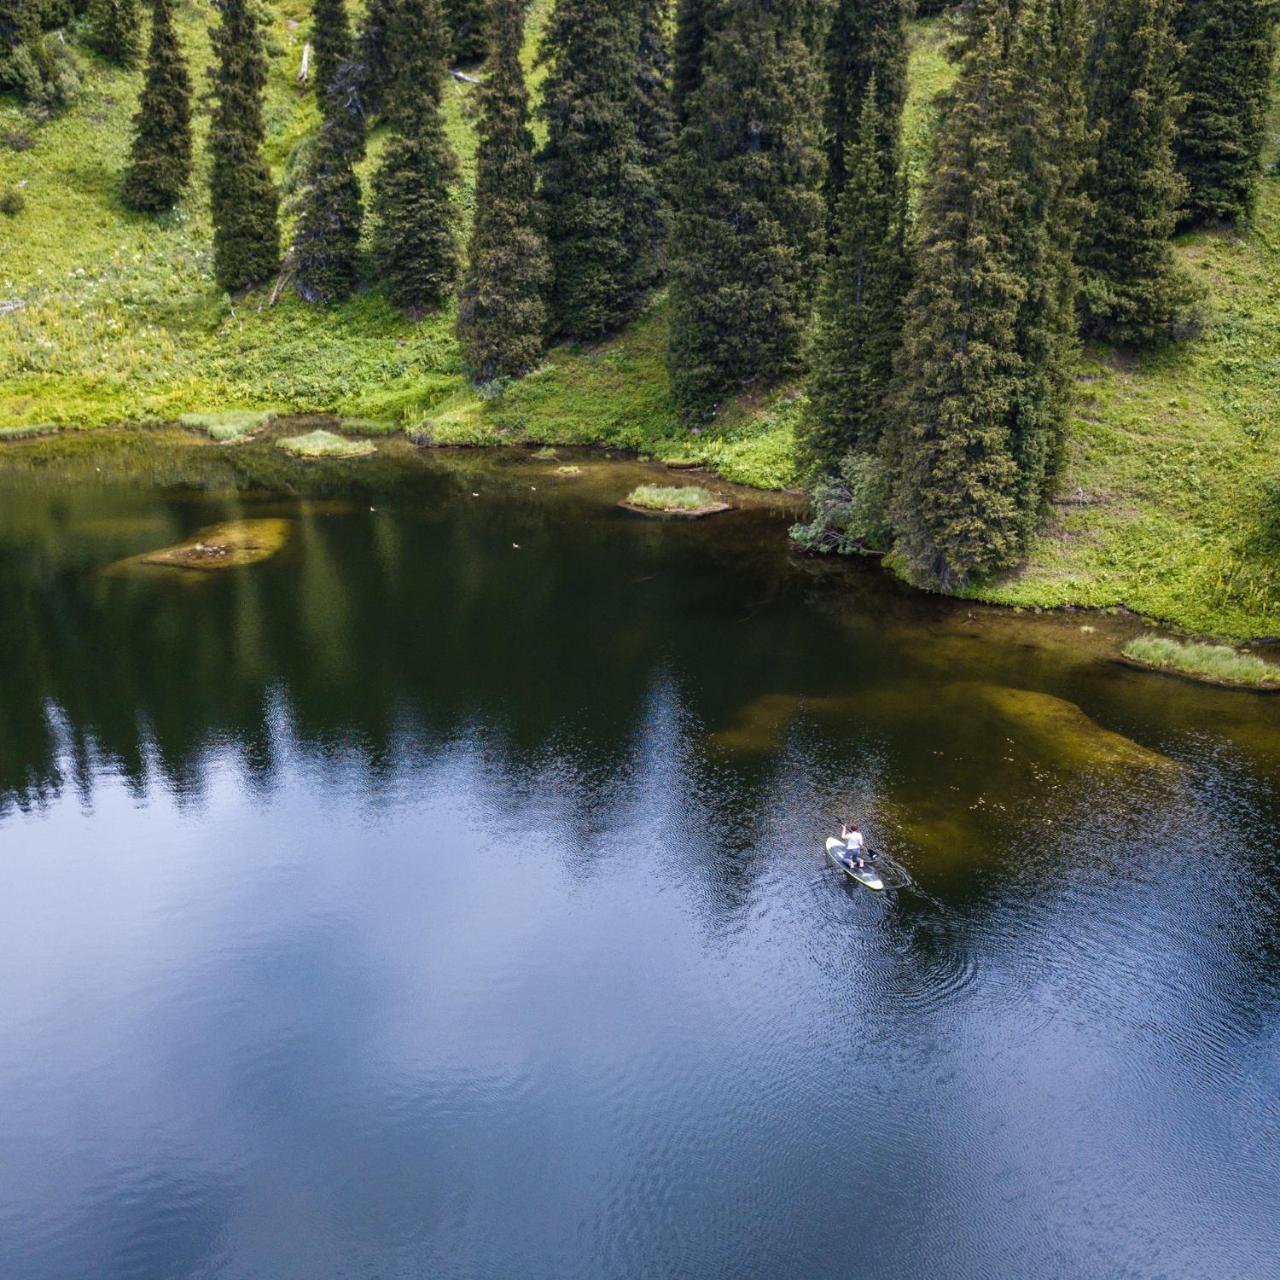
column 108, row 317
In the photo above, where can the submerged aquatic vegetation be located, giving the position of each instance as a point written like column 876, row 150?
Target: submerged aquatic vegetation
column 324, row 444
column 230, row 545
column 1216, row 662
column 1057, row 729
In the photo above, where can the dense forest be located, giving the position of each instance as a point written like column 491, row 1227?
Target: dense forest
column 745, row 162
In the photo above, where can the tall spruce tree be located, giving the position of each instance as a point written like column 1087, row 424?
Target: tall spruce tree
column 468, row 23
column 160, row 156
column 748, row 207
column 326, row 235
column 867, row 38
column 1226, row 78
column 330, row 45
column 502, row 316
column 415, row 241
column 116, row 30
column 1132, row 289
column 373, row 56
column 655, row 128
column 595, row 189
column 693, row 21
column 954, row 511
column 243, row 199
column 1047, row 136
column 859, row 316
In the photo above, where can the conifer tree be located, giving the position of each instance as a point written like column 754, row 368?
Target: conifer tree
column 954, row 513
column 595, row 189
column 28, row 65
column 468, row 24
column 243, row 199
column 502, row 316
column 326, row 235
column 415, row 243
column 692, row 24
column 867, row 38
column 160, row 157
column 1132, row 289
column 1226, row 77
column 116, row 30
column 373, row 56
column 19, row 30
column 655, row 128
column 748, row 207
column 1047, row 135
column 859, row 314
column 330, row 46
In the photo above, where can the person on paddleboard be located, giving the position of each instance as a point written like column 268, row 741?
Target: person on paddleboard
column 853, row 845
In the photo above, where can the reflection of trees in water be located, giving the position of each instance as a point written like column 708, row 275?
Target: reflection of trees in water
column 606, row 666
column 373, row 635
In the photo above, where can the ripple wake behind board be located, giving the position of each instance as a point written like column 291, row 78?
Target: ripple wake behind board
column 863, row 875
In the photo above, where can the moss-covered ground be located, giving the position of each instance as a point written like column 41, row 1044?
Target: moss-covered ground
column 108, row 316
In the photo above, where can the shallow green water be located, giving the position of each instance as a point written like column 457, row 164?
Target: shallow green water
column 443, row 896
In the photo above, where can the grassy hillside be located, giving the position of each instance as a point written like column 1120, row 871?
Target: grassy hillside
column 1164, row 505
column 120, row 322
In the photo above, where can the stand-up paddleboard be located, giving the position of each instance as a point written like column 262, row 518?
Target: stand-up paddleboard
column 863, row 875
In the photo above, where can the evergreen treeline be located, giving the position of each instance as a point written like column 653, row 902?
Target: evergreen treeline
column 749, row 153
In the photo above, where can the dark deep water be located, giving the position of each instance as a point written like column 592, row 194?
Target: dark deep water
column 410, row 905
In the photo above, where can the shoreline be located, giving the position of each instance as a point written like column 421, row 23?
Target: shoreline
column 615, row 456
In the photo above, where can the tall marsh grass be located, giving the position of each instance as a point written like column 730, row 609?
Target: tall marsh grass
column 657, row 497
column 1211, row 661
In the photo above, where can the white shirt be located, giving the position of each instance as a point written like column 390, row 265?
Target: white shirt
column 852, row 840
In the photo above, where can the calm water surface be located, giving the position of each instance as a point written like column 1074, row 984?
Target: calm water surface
column 417, row 904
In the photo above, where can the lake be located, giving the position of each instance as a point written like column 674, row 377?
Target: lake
column 443, row 896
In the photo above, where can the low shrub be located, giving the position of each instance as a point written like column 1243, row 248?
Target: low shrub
column 848, row 513
column 1211, row 661
column 12, row 203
